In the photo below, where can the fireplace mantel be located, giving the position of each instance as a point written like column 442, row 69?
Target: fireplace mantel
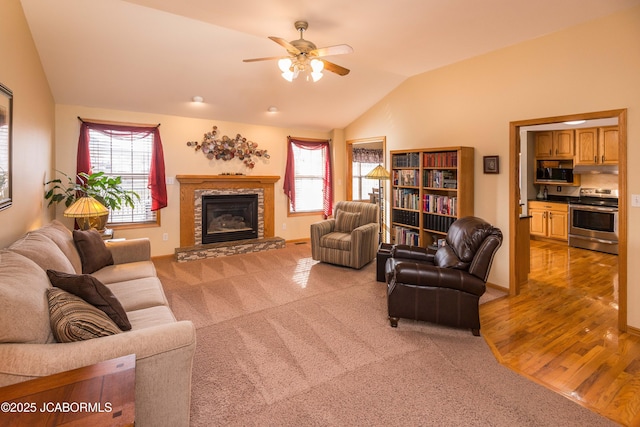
column 190, row 183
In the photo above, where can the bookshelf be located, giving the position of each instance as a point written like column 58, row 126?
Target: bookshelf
column 431, row 188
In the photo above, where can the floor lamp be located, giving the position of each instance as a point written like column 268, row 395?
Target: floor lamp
column 379, row 173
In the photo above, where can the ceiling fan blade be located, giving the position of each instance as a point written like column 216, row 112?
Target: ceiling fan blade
column 334, row 68
column 262, row 59
column 339, row 49
column 282, row 42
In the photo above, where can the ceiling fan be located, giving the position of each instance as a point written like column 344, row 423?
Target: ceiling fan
column 304, row 56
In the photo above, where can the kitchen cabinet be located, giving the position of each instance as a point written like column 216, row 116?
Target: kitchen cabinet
column 549, row 220
column 554, row 144
column 597, row 146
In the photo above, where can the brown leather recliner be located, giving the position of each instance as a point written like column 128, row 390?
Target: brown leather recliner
column 444, row 287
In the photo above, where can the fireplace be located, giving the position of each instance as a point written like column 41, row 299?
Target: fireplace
column 229, row 217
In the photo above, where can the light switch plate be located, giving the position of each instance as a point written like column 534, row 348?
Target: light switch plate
column 635, row 200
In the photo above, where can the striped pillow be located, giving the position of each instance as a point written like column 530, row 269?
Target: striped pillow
column 347, row 221
column 73, row 319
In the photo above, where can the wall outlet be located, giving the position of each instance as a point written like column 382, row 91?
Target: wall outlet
column 165, row 236
column 170, row 180
column 635, row 200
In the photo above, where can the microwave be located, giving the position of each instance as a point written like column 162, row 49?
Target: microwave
column 554, row 175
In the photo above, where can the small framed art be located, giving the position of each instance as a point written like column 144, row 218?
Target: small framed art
column 491, row 164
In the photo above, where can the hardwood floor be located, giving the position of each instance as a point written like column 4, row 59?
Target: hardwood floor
column 561, row 331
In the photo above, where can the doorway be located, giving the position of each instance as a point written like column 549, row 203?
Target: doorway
column 518, row 235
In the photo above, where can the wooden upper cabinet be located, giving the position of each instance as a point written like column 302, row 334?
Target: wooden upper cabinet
column 563, row 143
column 608, row 145
column 597, row 146
column 556, row 144
column 544, row 143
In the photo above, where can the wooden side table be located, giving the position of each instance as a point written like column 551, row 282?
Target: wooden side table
column 97, row 395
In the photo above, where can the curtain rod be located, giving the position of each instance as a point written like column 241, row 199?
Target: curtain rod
column 107, row 122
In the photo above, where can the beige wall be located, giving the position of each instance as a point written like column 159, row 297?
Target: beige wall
column 33, row 124
column 182, row 160
column 590, row 67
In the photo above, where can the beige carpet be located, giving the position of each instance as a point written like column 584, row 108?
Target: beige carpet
column 284, row 340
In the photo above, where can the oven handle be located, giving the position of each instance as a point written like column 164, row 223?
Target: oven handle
column 594, row 208
column 593, row 239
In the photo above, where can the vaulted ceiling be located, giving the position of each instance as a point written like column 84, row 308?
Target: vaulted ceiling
column 155, row 55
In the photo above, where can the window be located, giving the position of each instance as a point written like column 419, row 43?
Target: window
column 133, row 153
column 308, row 177
column 363, row 187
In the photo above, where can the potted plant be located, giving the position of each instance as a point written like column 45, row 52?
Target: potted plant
column 105, row 189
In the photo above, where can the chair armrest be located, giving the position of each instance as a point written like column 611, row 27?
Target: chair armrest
column 319, row 229
column 420, row 274
column 323, row 227
column 412, row 253
column 130, row 250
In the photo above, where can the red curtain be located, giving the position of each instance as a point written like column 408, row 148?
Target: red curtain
column 289, row 185
column 157, row 182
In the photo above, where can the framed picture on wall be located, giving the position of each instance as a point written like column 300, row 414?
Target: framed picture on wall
column 6, row 124
column 491, row 164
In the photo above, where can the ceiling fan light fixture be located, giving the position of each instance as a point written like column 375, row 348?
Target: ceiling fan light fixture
column 316, row 76
column 317, row 66
column 288, row 76
column 284, row 64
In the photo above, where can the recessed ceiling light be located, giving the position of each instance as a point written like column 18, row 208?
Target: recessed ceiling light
column 575, row 122
column 197, row 99
column 272, row 109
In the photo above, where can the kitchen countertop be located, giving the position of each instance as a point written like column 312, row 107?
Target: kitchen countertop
column 556, row 199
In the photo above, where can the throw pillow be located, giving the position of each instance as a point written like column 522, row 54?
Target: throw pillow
column 94, row 292
column 73, row 319
column 346, row 222
column 94, row 254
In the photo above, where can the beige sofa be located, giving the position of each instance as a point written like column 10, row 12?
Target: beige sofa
column 164, row 347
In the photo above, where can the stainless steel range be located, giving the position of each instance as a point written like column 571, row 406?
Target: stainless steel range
column 593, row 220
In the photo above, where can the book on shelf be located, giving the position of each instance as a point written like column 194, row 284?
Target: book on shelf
column 444, row 205
column 406, row 177
column 406, row 236
column 440, row 179
column 406, row 198
column 406, row 217
column 437, row 222
column 440, row 159
column 405, row 160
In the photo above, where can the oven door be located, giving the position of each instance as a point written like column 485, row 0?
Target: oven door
column 593, row 227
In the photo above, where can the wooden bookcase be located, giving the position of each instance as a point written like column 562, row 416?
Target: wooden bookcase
column 430, row 189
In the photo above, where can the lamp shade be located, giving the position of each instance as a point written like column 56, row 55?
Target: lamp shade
column 379, row 172
column 86, row 207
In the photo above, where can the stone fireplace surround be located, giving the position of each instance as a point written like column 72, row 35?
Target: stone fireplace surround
column 193, row 187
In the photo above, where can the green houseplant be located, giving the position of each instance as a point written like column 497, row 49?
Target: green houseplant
column 105, row 189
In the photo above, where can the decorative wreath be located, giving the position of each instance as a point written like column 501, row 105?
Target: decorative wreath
column 226, row 148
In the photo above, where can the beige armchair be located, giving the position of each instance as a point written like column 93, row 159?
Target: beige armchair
column 350, row 238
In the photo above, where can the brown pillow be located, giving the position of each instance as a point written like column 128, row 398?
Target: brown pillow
column 92, row 291
column 93, row 252
column 346, row 222
column 73, row 319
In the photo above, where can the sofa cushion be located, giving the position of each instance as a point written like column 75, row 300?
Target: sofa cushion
column 93, row 252
column 63, row 238
column 123, row 272
column 139, row 293
column 92, row 291
column 73, row 319
column 346, row 222
column 43, row 251
column 335, row 240
column 24, row 313
column 152, row 316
